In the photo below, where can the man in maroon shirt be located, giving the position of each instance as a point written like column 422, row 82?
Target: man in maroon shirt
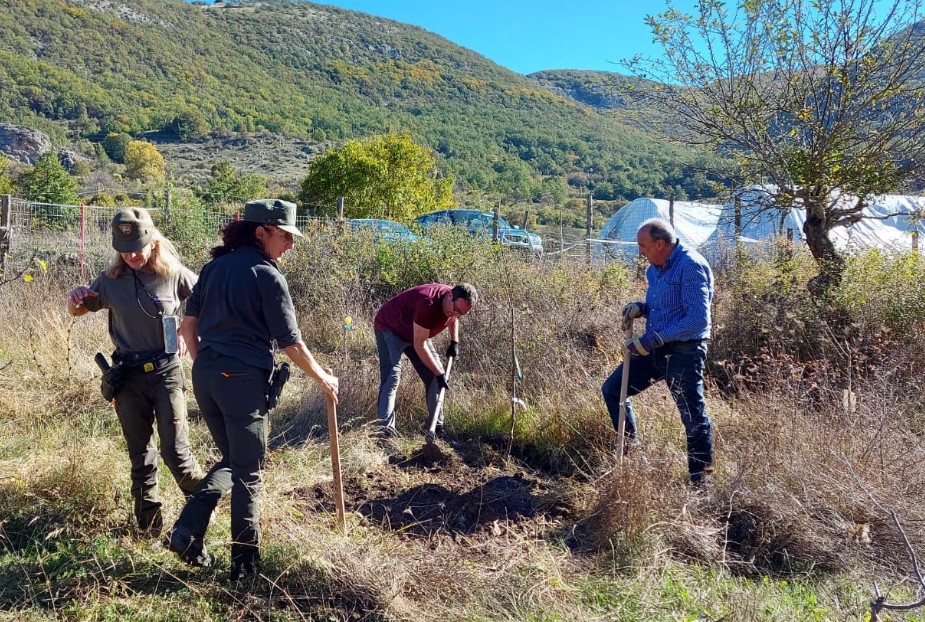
column 406, row 325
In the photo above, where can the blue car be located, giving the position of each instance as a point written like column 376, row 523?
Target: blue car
column 479, row 224
column 384, row 230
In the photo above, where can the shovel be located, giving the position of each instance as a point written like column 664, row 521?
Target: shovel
column 431, row 452
column 624, row 386
column 431, row 433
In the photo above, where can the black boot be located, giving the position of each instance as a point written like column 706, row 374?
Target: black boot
column 151, row 524
column 244, row 569
column 189, row 547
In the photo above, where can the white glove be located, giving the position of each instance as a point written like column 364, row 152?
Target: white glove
column 631, row 312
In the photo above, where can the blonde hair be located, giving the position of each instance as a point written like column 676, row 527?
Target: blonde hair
column 164, row 259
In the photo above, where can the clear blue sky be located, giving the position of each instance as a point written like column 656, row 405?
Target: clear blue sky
column 531, row 35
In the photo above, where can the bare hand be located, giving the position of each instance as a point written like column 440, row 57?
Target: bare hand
column 79, row 293
column 330, row 384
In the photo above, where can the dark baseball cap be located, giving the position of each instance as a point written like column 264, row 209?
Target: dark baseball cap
column 132, row 230
column 274, row 212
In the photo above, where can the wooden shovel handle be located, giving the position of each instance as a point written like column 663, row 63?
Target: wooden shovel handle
column 335, row 463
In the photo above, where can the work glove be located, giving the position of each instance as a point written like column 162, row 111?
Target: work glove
column 644, row 344
column 452, row 349
column 442, row 384
column 631, row 312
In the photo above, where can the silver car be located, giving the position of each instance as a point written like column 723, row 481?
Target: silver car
column 479, row 224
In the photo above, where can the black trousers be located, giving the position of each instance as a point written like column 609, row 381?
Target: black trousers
column 232, row 399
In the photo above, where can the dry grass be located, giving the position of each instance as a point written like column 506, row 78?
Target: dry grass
column 796, row 515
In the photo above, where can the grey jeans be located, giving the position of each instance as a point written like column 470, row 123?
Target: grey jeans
column 391, row 347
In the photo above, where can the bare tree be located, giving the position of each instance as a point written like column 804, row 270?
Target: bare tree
column 822, row 99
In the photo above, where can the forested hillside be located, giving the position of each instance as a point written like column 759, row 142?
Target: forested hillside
column 79, row 69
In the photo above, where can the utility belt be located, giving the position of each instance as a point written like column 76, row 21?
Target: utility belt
column 146, row 361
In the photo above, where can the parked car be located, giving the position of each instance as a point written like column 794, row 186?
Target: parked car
column 384, row 230
column 479, row 224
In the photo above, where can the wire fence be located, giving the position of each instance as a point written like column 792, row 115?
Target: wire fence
column 80, row 236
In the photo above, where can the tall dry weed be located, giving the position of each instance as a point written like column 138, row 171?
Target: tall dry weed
column 818, row 437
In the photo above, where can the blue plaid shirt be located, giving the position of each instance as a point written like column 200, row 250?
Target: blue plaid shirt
column 679, row 297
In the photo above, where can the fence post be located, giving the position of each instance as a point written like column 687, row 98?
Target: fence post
column 671, row 210
column 737, row 219
column 737, row 224
column 494, row 222
column 5, row 231
column 340, row 208
column 83, row 242
column 561, row 240
column 588, row 218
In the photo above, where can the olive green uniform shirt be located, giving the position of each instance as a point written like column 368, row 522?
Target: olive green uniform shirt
column 134, row 323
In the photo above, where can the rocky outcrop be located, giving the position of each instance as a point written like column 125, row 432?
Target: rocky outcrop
column 69, row 159
column 22, row 144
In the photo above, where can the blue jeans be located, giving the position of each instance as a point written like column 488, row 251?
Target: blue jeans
column 680, row 364
column 391, row 347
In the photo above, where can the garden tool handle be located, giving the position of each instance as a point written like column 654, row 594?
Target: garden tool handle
column 335, row 460
column 624, row 387
column 431, row 433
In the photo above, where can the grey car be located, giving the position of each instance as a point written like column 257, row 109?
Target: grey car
column 479, row 224
column 384, row 230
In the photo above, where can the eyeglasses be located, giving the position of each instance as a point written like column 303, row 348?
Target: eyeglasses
column 286, row 234
column 457, row 310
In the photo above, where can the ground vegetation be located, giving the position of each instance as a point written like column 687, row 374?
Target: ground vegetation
column 819, row 437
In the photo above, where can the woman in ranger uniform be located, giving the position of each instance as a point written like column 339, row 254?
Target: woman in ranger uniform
column 143, row 290
column 239, row 311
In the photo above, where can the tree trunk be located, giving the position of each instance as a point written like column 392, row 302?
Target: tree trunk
column 831, row 264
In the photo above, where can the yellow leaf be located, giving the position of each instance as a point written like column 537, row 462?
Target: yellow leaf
column 27, row 278
column 43, row 265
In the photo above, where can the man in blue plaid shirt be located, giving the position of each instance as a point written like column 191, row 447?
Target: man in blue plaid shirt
column 674, row 345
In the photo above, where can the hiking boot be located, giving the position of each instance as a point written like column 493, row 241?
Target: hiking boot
column 383, row 432
column 189, row 547
column 702, row 480
column 242, row 570
column 151, row 525
column 631, row 444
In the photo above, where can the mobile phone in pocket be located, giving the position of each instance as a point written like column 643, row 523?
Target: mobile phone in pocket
column 170, row 334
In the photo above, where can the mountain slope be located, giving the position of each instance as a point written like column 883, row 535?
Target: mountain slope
column 88, row 67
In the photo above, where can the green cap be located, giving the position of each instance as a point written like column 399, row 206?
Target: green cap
column 274, row 212
column 132, row 230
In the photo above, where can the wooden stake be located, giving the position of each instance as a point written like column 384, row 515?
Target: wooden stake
column 335, row 464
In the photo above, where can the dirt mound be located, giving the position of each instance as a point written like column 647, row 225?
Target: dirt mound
column 419, row 496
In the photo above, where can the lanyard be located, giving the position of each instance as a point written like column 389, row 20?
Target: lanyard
column 154, row 299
